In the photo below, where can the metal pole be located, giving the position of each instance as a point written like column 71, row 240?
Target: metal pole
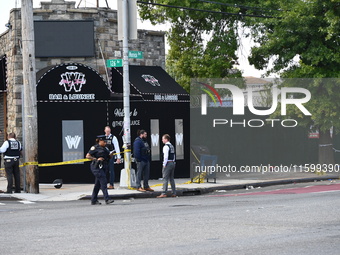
column 23, row 140
column 126, row 93
column 30, row 97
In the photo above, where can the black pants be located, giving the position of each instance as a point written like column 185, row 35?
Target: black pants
column 99, row 183
column 12, row 169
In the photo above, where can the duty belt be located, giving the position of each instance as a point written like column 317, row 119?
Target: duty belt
column 9, row 159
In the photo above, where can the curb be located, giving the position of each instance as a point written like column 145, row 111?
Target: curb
column 201, row 191
column 8, row 197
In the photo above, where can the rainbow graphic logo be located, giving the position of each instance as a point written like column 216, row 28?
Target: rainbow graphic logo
column 211, row 91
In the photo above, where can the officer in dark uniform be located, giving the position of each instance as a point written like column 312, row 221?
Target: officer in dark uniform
column 100, row 156
column 12, row 151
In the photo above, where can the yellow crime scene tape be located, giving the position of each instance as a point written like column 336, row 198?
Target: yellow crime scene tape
column 200, row 177
column 197, row 179
column 59, row 163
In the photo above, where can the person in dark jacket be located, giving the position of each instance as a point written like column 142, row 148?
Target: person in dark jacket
column 100, row 156
column 141, row 152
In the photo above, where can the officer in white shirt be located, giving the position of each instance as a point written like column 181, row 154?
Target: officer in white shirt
column 169, row 157
column 113, row 146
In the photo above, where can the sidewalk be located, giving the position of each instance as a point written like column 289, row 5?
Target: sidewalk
column 71, row 192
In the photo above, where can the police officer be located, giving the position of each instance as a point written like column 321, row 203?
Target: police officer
column 141, row 152
column 168, row 166
column 12, row 150
column 100, row 156
column 113, row 146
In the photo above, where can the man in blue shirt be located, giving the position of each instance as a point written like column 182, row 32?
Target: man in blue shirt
column 141, row 152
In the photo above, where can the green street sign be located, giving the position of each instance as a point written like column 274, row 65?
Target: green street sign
column 135, row 54
column 114, row 63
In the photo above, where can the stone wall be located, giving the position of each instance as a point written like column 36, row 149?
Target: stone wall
column 10, row 45
column 151, row 43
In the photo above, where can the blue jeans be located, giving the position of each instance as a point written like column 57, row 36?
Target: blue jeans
column 143, row 171
column 112, row 170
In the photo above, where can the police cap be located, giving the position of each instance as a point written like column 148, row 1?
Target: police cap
column 101, row 137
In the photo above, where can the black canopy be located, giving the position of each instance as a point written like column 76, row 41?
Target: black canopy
column 71, row 82
column 151, row 83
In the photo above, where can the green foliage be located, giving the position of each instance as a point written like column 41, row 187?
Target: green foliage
column 310, row 31
column 324, row 104
column 202, row 45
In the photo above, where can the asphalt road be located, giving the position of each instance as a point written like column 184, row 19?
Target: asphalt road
column 289, row 219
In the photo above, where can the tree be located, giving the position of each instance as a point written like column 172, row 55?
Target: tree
column 308, row 31
column 202, row 44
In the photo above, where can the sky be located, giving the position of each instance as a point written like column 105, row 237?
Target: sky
column 243, row 52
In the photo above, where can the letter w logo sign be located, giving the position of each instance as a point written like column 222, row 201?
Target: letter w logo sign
column 179, row 138
column 154, row 139
column 72, row 141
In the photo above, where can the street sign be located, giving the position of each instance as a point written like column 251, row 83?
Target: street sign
column 135, row 54
column 114, row 63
